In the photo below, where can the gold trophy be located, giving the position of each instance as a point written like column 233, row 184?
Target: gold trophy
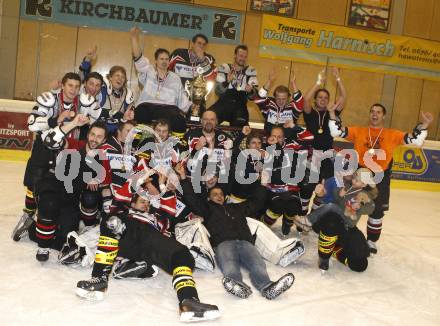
column 198, row 90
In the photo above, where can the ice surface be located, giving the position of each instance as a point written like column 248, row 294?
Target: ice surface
column 400, row 287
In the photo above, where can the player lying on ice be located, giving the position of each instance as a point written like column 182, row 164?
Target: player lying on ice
column 233, row 241
column 141, row 233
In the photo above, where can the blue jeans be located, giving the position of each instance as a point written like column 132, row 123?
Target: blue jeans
column 325, row 209
column 233, row 254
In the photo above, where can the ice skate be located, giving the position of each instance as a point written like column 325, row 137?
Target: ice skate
column 323, row 264
column 92, row 289
column 293, row 254
column 128, row 269
column 372, row 246
column 42, row 255
column 71, row 253
column 21, row 229
column 192, row 310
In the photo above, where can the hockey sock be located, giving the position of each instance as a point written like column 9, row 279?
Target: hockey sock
column 105, row 256
column 374, row 228
column 338, row 253
column 316, row 203
column 184, row 284
column 29, row 203
column 305, row 206
column 45, row 232
column 270, row 217
column 88, row 216
column 355, row 264
column 288, row 220
column 326, row 245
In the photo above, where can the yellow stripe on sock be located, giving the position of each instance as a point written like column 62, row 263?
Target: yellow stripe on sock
column 272, row 215
column 107, row 242
column 328, row 238
column 29, row 193
column 188, row 283
column 182, row 270
column 106, row 258
column 325, row 250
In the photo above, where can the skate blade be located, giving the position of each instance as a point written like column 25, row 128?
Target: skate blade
column 90, row 295
column 19, row 225
column 191, row 317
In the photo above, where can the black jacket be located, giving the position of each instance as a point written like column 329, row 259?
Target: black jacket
column 227, row 221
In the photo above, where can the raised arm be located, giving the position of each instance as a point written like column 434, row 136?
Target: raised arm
column 341, row 90
column 335, row 123
column 55, row 138
column 141, row 63
column 320, row 81
column 420, row 132
column 86, row 65
column 135, row 45
column 264, row 90
column 191, row 199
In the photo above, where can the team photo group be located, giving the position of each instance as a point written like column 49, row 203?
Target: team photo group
column 128, row 184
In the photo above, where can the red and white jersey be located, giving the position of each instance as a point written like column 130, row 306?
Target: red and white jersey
column 273, row 113
column 185, row 64
column 218, row 153
column 121, row 165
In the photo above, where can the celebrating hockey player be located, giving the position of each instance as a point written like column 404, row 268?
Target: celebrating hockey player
column 375, row 144
column 235, row 84
column 143, row 238
column 335, row 220
column 316, row 117
column 279, row 110
column 52, row 109
column 209, row 147
column 285, row 196
column 184, row 62
column 114, row 96
column 162, row 96
column 61, row 195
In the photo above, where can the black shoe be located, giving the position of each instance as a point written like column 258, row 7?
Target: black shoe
column 71, row 253
column 323, row 264
column 239, row 289
column 274, row 289
column 128, row 269
column 21, row 229
column 372, row 246
column 42, row 254
column 193, row 310
column 92, row 289
column 285, row 227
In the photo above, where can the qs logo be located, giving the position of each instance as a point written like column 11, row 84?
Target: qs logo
column 410, row 160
